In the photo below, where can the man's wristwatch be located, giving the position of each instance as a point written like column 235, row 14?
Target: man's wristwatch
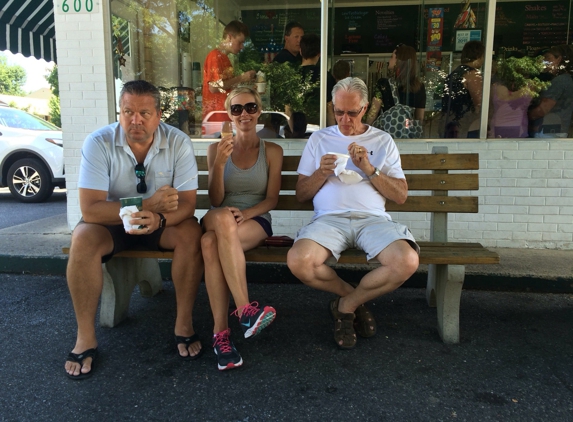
column 162, row 220
column 376, row 173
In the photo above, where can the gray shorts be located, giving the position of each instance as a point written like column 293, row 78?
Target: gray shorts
column 372, row 234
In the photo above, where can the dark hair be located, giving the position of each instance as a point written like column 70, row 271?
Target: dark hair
column 141, row 87
column 298, row 124
column 472, row 50
column 407, row 69
column 309, row 46
column 341, row 70
column 563, row 51
column 290, row 26
column 235, row 28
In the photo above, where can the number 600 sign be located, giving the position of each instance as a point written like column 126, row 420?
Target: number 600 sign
column 78, row 6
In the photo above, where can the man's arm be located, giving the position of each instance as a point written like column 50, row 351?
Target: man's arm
column 395, row 190
column 97, row 209
column 544, row 107
column 474, row 85
column 308, row 186
column 176, row 206
column 389, row 187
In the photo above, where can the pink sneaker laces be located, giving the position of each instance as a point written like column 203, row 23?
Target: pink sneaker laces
column 248, row 310
column 221, row 339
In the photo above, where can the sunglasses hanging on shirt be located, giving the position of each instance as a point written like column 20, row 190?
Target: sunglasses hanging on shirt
column 140, row 173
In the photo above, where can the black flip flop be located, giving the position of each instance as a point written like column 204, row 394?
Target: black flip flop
column 187, row 341
column 79, row 358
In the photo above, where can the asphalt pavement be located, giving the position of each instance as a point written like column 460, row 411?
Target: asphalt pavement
column 514, row 361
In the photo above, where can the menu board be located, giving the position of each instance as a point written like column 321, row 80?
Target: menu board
column 525, row 26
column 530, row 26
column 267, row 26
column 374, row 29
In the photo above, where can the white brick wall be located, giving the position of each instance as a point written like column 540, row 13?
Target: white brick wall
column 527, row 204
column 82, row 47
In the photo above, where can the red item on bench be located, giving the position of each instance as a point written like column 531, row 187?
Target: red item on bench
column 279, row 241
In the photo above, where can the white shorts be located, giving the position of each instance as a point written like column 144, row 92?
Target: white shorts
column 372, row 234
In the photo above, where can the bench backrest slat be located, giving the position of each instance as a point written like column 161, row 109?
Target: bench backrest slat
column 409, row 162
column 419, row 184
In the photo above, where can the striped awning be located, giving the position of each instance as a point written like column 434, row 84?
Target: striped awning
column 27, row 27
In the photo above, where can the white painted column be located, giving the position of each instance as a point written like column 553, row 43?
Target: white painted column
column 83, row 43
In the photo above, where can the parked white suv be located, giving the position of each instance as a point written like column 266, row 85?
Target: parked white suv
column 31, row 155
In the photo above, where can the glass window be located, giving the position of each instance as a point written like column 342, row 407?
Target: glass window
column 411, row 57
column 197, row 51
column 423, row 63
column 532, row 88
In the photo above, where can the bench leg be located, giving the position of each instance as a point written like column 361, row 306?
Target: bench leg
column 448, row 281
column 120, row 275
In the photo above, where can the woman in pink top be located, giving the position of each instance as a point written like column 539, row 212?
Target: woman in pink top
column 511, row 95
column 509, row 119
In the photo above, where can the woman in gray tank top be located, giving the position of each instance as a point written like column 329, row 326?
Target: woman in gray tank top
column 244, row 185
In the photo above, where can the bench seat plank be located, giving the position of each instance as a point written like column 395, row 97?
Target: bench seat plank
column 430, row 253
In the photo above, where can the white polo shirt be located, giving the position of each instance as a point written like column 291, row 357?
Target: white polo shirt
column 335, row 196
column 108, row 164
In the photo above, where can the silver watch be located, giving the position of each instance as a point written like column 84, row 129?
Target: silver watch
column 376, row 173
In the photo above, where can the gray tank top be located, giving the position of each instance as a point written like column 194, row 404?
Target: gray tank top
column 246, row 188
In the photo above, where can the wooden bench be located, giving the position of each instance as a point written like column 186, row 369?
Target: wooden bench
column 429, row 189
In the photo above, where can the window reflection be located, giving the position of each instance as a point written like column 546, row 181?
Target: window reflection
column 168, row 43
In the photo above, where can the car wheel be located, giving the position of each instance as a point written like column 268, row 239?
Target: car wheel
column 29, row 180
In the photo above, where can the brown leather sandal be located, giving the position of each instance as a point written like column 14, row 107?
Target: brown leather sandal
column 364, row 324
column 344, row 334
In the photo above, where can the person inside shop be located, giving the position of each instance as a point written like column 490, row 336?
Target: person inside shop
column 218, row 74
column 552, row 113
column 463, row 91
column 299, row 126
column 411, row 90
column 511, row 94
column 341, row 70
column 272, row 126
column 123, row 160
column 310, row 70
column 291, row 51
column 350, row 211
column 244, row 185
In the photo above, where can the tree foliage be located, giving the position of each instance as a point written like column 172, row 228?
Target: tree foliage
column 54, row 104
column 288, row 86
column 12, row 78
column 522, row 73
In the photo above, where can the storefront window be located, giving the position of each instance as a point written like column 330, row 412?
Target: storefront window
column 432, row 54
column 532, row 87
column 177, row 44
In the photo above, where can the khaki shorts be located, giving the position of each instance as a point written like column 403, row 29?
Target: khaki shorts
column 372, row 234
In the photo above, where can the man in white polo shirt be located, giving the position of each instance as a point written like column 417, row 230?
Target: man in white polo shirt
column 350, row 212
column 139, row 156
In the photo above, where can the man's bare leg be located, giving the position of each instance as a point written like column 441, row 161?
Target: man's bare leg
column 306, row 261
column 398, row 262
column 90, row 242
column 186, row 272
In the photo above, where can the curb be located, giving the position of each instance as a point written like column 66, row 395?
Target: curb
column 280, row 274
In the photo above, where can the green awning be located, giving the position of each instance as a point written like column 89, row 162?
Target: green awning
column 27, row 27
